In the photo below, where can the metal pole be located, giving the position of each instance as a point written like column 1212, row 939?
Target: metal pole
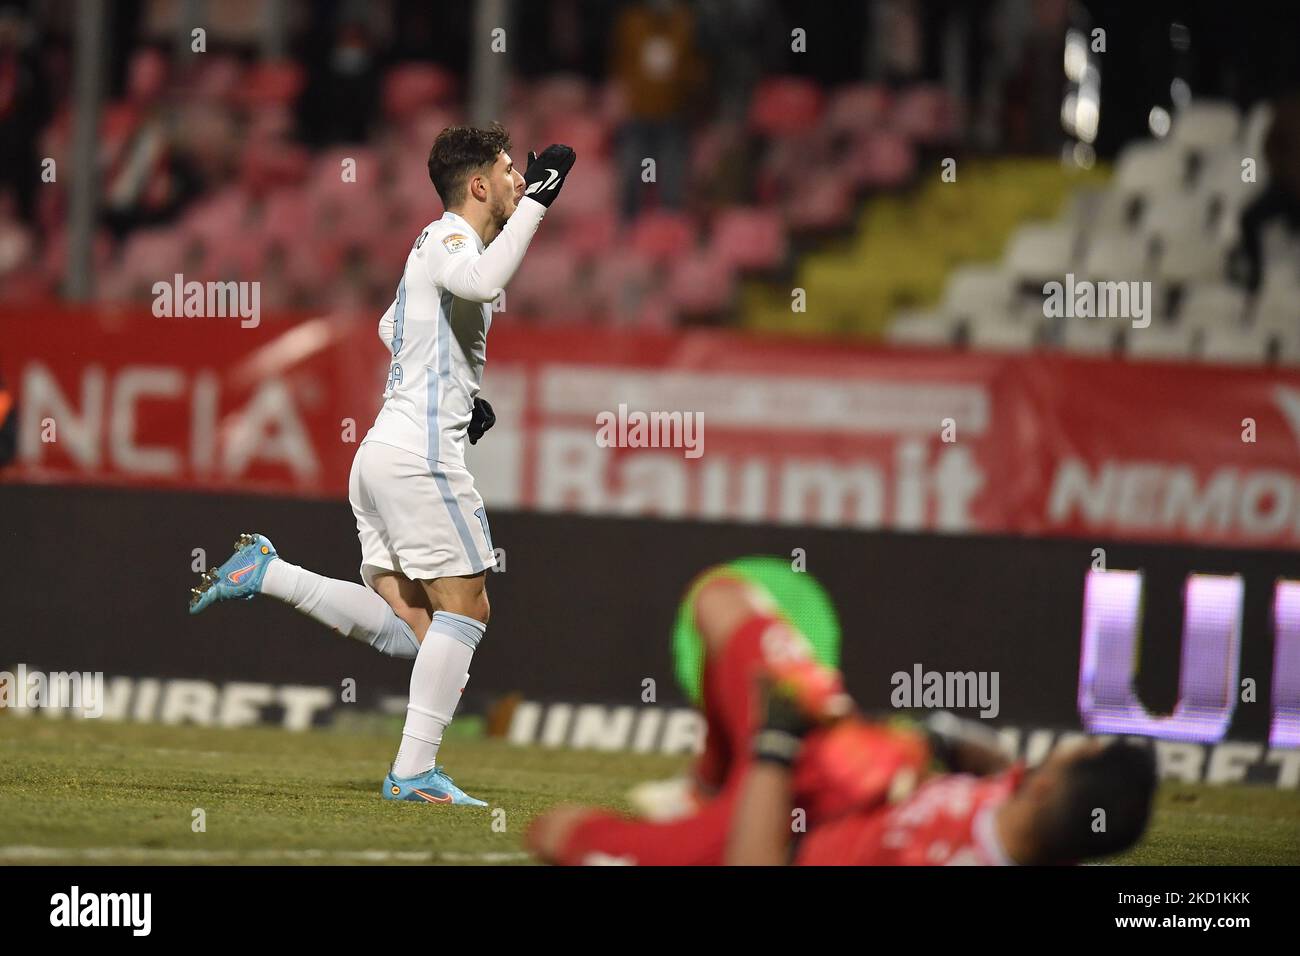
column 190, row 15
column 274, row 17
column 955, row 39
column 488, row 69
column 87, row 88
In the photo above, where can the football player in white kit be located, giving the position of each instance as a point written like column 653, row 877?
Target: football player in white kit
column 425, row 541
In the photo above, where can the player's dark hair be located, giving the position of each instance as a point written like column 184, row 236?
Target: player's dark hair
column 1119, row 779
column 459, row 151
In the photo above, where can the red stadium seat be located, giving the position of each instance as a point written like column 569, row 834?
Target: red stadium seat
column 411, row 188
column 708, row 148
column 619, row 282
column 882, row 160
column 591, row 234
column 544, row 281
column 749, row 238
column 655, row 314
column 411, row 86
column 388, row 254
column 523, row 128
column 421, row 127
column 240, row 255
column 594, row 197
column 153, row 253
column 585, row 133
column 611, row 105
column 819, row 204
column 786, row 161
column 560, row 95
column 265, row 164
column 327, row 166
column 701, row 285
column 661, row 235
column 857, row 108
column 272, row 82
column 272, row 123
column 926, row 113
column 785, row 106
column 217, row 215
column 286, row 215
column 217, row 77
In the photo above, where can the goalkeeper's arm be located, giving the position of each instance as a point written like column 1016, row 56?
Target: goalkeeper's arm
column 964, row 746
column 760, row 828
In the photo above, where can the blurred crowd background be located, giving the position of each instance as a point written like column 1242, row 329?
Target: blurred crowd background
column 796, row 145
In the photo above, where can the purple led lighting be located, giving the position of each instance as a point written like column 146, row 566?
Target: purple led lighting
column 1285, row 728
column 1207, row 683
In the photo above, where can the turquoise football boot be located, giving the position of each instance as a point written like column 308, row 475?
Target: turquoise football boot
column 432, row 787
column 239, row 578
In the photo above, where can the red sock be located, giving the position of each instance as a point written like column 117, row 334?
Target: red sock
column 730, row 702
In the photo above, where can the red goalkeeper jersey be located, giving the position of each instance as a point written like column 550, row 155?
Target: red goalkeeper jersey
column 948, row 821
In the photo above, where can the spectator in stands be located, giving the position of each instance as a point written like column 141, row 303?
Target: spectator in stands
column 23, row 111
column 149, row 179
column 658, row 71
column 1279, row 203
column 1032, row 115
column 341, row 102
column 737, row 33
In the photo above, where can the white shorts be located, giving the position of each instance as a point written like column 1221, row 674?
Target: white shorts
column 419, row 520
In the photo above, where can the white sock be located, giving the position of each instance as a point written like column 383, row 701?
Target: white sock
column 438, row 676
column 350, row 609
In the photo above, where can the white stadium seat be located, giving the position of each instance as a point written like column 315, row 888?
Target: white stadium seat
column 1040, row 252
column 1235, row 345
column 976, row 288
column 1148, row 167
column 1115, row 255
column 1212, row 305
column 1277, row 304
column 1206, row 124
column 1190, row 258
column 1002, row 334
column 1090, row 336
column 1288, row 347
column 1221, row 175
column 1169, row 342
column 921, row 327
column 1175, row 216
column 1254, row 129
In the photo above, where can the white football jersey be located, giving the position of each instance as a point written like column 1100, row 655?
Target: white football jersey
column 436, row 330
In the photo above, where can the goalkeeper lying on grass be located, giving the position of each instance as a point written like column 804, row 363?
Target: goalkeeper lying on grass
column 791, row 773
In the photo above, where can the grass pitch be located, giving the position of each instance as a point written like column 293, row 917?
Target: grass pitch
column 97, row 792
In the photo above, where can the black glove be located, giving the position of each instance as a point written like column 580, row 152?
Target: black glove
column 481, row 420
column 783, row 727
column 545, row 173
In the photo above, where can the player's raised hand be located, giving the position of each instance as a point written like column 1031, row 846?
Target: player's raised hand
column 545, row 173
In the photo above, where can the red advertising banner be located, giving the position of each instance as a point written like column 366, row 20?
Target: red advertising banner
column 699, row 424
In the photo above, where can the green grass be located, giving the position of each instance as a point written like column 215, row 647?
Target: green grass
column 100, row 792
